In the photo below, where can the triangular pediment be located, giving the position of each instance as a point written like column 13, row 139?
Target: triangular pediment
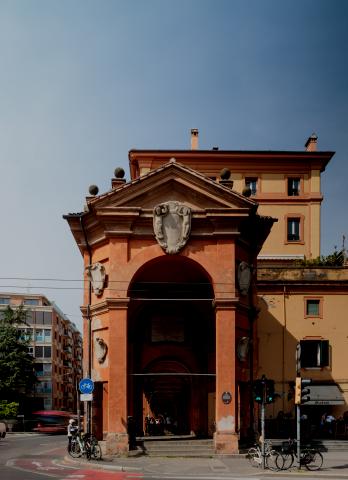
column 178, row 192
column 172, row 182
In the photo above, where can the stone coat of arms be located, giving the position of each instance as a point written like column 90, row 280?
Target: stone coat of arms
column 96, row 275
column 172, row 225
column 244, row 277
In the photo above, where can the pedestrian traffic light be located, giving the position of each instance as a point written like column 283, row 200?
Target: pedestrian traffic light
column 258, row 390
column 269, row 391
column 301, row 390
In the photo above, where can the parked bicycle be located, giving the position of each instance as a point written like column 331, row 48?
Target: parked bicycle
column 310, row 457
column 85, row 444
column 273, row 459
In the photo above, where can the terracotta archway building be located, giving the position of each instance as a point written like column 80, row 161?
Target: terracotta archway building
column 171, row 326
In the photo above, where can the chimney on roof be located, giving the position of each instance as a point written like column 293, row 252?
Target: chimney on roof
column 194, row 138
column 311, row 144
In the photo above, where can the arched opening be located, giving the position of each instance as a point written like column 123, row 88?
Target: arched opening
column 171, row 348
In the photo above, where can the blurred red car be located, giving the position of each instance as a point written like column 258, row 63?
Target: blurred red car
column 51, row 421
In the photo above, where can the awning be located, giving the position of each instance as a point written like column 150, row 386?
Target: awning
column 325, row 395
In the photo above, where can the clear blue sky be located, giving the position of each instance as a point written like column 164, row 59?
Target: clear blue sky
column 82, row 82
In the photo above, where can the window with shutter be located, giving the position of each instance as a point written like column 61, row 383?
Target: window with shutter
column 314, row 353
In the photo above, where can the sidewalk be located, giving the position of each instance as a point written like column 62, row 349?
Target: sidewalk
column 335, row 466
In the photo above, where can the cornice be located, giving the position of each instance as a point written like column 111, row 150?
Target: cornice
column 106, row 305
column 303, row 154
column 281, row 199
column 230, row 303
column 314, row 160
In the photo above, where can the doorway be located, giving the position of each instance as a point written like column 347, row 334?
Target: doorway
column 171, row 347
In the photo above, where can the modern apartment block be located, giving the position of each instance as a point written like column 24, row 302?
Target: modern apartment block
column 56, row 345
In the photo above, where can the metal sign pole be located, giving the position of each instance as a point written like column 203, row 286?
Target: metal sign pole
column 298, row 407
column 263, row 435
column 78, row 411
column 263, row 432
column 298, row 430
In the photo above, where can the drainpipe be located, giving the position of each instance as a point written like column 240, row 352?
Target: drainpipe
column 252, row 317
column 89, row 321
column 283, row 346
column 253, row 314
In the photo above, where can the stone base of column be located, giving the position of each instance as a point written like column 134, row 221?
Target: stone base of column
column 116, row 444
column 226, row 443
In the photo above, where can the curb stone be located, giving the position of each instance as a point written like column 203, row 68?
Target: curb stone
column 99, row 466
column 327, row 474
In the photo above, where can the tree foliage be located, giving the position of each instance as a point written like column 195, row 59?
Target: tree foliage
column 17, row 375
column 8, row 409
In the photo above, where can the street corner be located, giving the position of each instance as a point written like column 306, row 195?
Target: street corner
column 103, row 464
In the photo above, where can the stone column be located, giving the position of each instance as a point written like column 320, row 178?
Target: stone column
column 226, row 437
column 117, row 438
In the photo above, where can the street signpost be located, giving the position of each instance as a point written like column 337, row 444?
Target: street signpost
column 86, row 397
column 86, row 386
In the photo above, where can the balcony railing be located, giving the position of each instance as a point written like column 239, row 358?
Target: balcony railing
column 40, row 389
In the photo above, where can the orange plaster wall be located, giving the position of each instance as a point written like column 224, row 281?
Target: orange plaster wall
column 225, row 363
column 100, row 329
column 277, row 242
column 117, row 405
column 215, row 258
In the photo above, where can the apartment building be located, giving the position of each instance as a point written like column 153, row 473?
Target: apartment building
column 56, row 345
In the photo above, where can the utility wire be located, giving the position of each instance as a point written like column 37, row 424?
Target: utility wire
column 28, row 279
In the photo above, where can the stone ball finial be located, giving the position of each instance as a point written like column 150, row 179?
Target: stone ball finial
column 93, row 190
column 119, row 172
column 246, row 191
column 225, row 174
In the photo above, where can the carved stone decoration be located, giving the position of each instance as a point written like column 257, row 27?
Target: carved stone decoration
column 96, row 275
column 243, row 348
column 101, row 349
column 172, row 225
column 244, row 277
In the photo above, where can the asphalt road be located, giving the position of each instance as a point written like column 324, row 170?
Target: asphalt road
column 38, row 457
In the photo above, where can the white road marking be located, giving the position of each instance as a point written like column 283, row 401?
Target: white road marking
column 76, row 476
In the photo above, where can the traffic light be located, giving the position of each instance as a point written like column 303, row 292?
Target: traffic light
column 305, row 397
column 301, row 390
column 258, row 390
column 269, row 391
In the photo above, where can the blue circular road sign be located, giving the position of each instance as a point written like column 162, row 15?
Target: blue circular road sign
column 86, row 385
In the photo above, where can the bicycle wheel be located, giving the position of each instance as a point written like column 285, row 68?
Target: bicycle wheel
column 87, row 447
column 288, row 460
column 274, row 461
column 314, row 460
column 96, row 452
column 254, row 456
column 75, row 450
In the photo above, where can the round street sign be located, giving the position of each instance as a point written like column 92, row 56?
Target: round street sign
column 86, row 385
